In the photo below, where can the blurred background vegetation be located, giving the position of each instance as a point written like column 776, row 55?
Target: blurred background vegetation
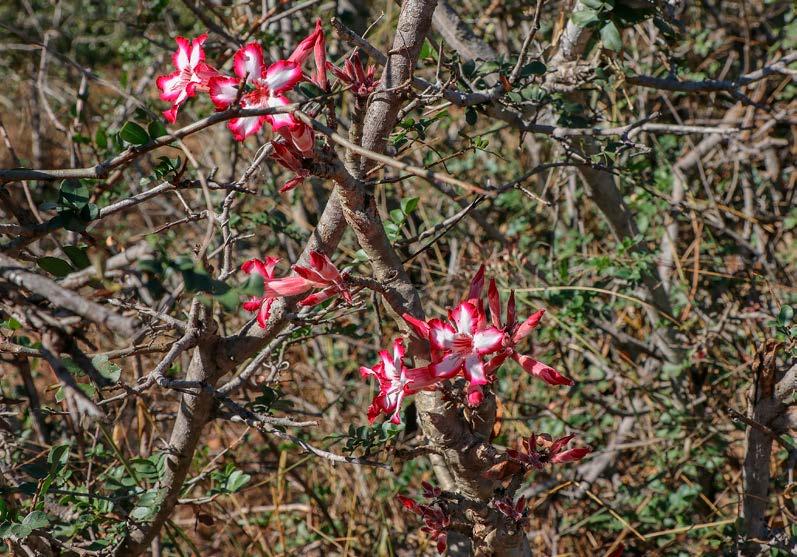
column 673, row 484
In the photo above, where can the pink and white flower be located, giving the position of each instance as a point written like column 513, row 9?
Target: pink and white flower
column 262, row 304
column 192, row 73
column 322, row 273
column 394, row 383
column 267, row 83
column 459, row 346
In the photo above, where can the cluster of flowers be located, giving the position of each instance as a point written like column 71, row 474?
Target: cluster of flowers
column 465, row 344
column 321, row 274
column 535, row 452
column 257, row 86
column 539, row 450
column 435, row 519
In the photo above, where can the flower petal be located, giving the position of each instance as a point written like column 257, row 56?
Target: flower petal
column 248, row 61
column 474, row 370
column 197, row 55
column 421, row 378
column 475, row 395
column 223, row 91
column 441, row 335
column 264, row 313
column 181, row 57
column 286, row 156
column 367, row 371
column 421, row 328
column 282, row 123
column 256, row 266
column 320, row 55
column 427, row 377
column 511, row 315
column 203, row 73
column 324, row 266
column 171, row 85
column 571, row 455
column 303, row 138
column 544, row 372
column 396, row 417
column 488, row 340
column 373, row 411
column 282, row 75
column 494, row 301
column 398, row 350
column 528, row 325
column 318, row 297
column 495, row 362
column 448, row 367
column 292, row 183
column 288, row 286
column 171, row 114
column 305, row 47
column 252, row 304
column 242, row 128
column 464, row 317
column 477, row 284
column 269, row 263
column 310, row 275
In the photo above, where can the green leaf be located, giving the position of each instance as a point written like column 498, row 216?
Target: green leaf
column 106, row 368
column 230, row 300
column 143, row 514
column 54, row 266
column 426, row 50
column 471, row 116
column 610, row 36
column 583, row 18
column 409, row 205
column 36, row 519
column 15, row 531
column 237, row 480
column 785, row 315
column 101, row 138
column 77, row 255
column 469, row 67
column 90, row 212
column 147, row 469
column 73, row 194
column 11, row 324
column 58, row 457
column 397, row 216
column 157, row 129
column 489, row 67
column 533, row 68
column 88, row 389
column 392, row 230
column 134, row 134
